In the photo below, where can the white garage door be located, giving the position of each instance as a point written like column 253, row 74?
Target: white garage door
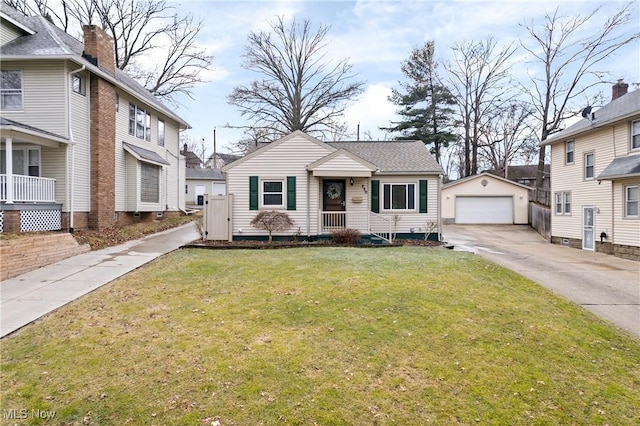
column 484, row 210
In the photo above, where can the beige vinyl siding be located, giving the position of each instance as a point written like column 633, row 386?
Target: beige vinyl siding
column 288, row 158
column 172, row 186
column 340, row 165
column 81, row 129
column 43, row 95
column 130, row 178
column 412, row 219
column 583, row 192
column 9, row 32
column 626, row 231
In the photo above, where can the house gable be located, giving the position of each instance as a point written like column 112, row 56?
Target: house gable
column 341, row 163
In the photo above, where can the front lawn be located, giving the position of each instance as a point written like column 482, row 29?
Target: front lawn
column 331, row 335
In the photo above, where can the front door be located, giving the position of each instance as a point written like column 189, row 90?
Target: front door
column 333, row 203
column 588, row 228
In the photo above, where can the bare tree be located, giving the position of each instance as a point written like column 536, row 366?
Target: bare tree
column 300, row 88
column 567, row 59
column 153, row 43
column 479, row 80
column 506, row 136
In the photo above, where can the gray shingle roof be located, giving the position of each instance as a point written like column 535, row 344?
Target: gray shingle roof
column 404, row 157
column 145, row 154
column 621, row 167
column 49, row 40
column 205, row 174
column 7, row 122
column 619, row 109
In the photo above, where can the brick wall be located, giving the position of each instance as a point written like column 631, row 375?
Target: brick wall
column 625, row 252
column 99, row 46
column 24, row 254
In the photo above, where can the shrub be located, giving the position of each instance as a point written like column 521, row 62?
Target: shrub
column 272, row 221
column 346, row 236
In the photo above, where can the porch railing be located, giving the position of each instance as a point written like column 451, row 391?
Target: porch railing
column 365, row 222
column 29, row 189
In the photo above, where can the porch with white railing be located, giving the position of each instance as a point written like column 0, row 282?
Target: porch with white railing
column 367, row 223
column 27, row 189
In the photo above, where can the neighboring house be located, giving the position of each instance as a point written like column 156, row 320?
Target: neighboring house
column 595, row 178
column 192, row 161
column 218, row 160
column 201, row 182
column 525, row 174
column 82, row 144
column 384, row 189
column 485, row 199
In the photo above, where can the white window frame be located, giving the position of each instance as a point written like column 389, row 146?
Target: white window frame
column 139, row 122
column 588, row 166
column 567, row 151
column 11, row 92
column 150, row 185
column 161, row 132
column 628, row 201
column 635, row 135
column 29, row 166
column 263, row 193
column 562, row 203
column 387, row 197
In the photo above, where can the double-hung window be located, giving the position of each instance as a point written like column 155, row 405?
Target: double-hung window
column 399, row 196
column 139, row 122
column 563, row 203
column 635, row 135
column 149, row 183
column 631, row 201
column 11, row 90
column 589, row 165
column 568, row 152
column 160, row 132
column 273, row 193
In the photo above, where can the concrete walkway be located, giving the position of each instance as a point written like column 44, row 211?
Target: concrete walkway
column 605, row 285
column 28, row 297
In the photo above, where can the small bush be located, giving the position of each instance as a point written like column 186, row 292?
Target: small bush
column 346, row 236
column 272, row 221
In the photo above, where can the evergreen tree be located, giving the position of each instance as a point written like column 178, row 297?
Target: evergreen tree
column 426, row 105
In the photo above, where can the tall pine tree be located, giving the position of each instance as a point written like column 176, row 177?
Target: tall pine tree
column 425, row 103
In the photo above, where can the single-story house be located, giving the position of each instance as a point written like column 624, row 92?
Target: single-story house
column 201, row 182
column 385, row 189
column 485, row 199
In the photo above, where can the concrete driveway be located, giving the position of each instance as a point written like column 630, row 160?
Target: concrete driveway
column 606, row 285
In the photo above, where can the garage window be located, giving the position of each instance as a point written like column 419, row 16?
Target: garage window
column 399, row 196
column 563, row 203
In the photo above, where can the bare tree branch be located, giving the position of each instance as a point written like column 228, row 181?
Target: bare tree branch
column 300, row 88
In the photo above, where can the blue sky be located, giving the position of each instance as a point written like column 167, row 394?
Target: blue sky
column 376, row 36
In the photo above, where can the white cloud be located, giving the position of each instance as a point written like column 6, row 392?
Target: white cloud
column 372, row 110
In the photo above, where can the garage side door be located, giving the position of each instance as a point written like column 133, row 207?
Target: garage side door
column 484, row 210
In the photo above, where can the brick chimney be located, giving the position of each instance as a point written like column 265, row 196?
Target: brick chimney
column 619, row 89
column 98, row 48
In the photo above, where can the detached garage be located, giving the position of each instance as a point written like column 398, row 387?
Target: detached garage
column 485, row 199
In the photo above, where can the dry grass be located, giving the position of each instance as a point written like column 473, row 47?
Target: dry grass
column 330, row 335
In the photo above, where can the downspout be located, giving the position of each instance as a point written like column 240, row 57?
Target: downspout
column 439, row 207
column 73, row 151
column 308, row 206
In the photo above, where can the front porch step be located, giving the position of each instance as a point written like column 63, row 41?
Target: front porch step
column 28, row 252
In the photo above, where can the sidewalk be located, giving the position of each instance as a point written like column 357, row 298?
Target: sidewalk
column 27, row 297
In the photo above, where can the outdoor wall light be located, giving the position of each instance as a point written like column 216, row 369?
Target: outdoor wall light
column 351, row 181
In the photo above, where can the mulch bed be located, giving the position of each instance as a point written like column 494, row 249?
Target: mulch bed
column 211, row 244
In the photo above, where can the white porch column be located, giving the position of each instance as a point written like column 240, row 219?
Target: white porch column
column 9, row 167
